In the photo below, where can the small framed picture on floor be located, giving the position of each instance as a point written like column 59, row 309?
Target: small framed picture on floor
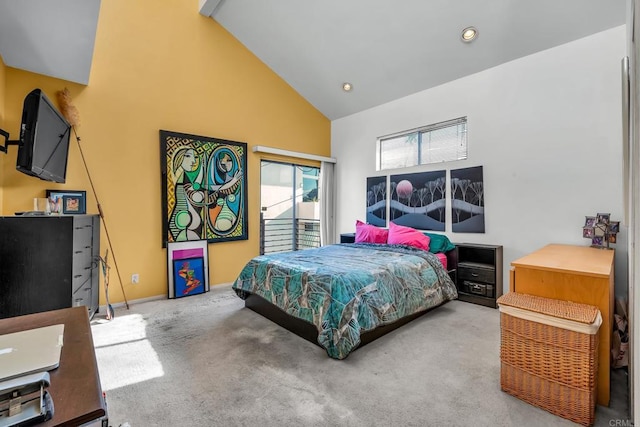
column 187, row 268
column 188, row 276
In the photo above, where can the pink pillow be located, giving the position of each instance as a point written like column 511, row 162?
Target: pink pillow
column 366, row 233
column 400, row 235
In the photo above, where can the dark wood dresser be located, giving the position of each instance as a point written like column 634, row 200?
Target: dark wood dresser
column 49, row 262
column 479, row 273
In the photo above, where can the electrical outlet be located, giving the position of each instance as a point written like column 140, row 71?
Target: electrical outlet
column 135, row 278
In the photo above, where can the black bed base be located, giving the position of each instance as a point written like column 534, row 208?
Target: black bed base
column 307, row 330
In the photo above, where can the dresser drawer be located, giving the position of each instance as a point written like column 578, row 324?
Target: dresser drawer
column 476, row 272
column 82, row 255
column 81, row 273
column 82, row 266
column 482, row 289
column 82, row 296
column 82, row 232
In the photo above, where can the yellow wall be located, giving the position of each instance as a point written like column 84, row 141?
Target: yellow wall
column 2, row 119
column 2, row 90
column 163, row 67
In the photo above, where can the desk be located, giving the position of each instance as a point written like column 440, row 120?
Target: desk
column 75, row 384
column 573, row 273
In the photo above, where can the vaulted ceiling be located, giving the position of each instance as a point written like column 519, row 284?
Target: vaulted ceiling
column 50, row 37
column 386, row 50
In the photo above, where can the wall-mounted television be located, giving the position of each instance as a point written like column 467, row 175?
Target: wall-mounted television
column 44, row 139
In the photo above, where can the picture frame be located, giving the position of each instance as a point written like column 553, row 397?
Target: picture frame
column 67, row 202
column 188, row 276
column 204, row 188
column 597, row 241
column 422, row 210
column 181, row 277
column 590, row 221
column 377, row 203
column 466, row 209
column 587, row 232
column 613, row 238
column 603, row 218
column 614, row 227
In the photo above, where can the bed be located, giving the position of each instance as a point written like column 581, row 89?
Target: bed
column 343, row 296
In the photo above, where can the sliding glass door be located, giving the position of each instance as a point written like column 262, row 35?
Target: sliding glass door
column 290, row 214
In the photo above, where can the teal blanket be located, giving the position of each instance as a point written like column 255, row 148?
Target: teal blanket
column 347, row 289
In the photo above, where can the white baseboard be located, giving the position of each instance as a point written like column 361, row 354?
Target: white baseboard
column 103, row 308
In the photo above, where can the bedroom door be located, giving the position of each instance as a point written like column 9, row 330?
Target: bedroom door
column 289, row 214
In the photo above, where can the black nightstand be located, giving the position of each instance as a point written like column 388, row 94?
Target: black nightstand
column 348, row 238
column 479, row 273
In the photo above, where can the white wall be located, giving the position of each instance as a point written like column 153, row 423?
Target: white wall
column 547, row 130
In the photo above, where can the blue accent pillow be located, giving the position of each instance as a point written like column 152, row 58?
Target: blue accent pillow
column 439, row 243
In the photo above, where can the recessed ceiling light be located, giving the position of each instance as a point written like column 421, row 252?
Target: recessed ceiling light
column 469, row 34
column 347, row 86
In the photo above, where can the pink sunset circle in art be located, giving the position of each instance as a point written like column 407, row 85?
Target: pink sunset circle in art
column 404, row 188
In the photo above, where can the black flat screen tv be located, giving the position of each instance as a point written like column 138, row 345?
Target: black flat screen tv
column 44, row 139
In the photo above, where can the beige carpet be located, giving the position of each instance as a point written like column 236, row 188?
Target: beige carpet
column 205, row 360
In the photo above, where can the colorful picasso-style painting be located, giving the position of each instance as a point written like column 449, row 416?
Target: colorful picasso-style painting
column 188, row 276
column 204, row 185
column 188, row 267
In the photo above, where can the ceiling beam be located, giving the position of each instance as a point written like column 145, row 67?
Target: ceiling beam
column 207, row 7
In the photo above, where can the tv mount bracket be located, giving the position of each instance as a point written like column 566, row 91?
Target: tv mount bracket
column 7, row 142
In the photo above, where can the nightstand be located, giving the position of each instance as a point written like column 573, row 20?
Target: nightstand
column 348, row 238
column 479, row 273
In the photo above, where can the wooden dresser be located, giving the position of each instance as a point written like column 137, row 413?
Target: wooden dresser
column 573, row 273
column 49, row 262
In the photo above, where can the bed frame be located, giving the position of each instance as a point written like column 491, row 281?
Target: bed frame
column 309, row 331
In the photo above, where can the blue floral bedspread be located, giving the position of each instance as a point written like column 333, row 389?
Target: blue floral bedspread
column 348, row 289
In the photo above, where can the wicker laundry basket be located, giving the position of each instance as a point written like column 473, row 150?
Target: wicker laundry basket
column 549, row 354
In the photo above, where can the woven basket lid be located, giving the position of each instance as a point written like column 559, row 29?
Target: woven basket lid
column 568, row 310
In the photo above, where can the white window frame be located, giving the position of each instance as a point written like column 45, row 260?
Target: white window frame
column 420, row 146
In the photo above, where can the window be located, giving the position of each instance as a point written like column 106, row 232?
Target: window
column 440, row 142
column 290, row 213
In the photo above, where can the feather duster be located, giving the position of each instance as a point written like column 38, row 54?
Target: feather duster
column 68, row 110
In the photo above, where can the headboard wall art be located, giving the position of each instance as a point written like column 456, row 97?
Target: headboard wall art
column 419, row 200
column 467, row 200
column 377, row 201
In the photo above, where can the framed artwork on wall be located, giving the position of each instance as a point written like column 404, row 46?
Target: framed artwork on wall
column 67, row 202
column 377, row 201
column 467, row 200
column 418, row 200
column 204, row 188
column 188, row 268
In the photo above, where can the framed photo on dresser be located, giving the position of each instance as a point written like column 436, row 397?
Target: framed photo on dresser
column 68, row 202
